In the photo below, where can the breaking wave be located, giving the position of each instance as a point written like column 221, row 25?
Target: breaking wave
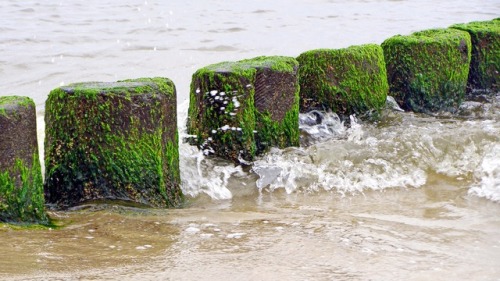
column 402, row 150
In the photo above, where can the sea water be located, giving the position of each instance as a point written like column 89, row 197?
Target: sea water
column 411, row 196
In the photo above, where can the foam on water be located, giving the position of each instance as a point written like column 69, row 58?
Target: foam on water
column 198, row 174
column 400, row 151
column 351, row 163
column 487, row 175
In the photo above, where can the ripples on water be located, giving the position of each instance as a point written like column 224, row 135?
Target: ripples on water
column 412, row 197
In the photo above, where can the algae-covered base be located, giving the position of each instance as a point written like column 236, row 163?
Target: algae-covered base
column 21, row 183
column 113, row 141
column 485, row 64
column 21, row 194
column 347, row 81
column 428, row 70
column 240, row 109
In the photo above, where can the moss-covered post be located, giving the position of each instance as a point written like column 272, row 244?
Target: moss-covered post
column 484, row 73
column 276, row 102
column 240, row 109
column 428, row 70
column 113, row 141
column 347, row 81
column 21, row 183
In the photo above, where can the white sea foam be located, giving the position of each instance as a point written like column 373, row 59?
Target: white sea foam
column 357, row 157
column 192, row 230
column 348, row 162
column 488, row 175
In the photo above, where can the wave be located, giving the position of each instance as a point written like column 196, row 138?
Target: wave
column 401, row 150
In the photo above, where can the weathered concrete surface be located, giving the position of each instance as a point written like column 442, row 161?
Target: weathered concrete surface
column 484, row 73
column 428, row 70
column 347, row 81
column 240, row 109
column 21, row 184
column 113, row 141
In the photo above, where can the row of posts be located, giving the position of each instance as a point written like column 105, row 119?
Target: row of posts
column 119, row 141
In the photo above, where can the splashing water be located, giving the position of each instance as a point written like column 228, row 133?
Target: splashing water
column 316, row 126
column 351, row 164
column 400, row 151
column 487, row 175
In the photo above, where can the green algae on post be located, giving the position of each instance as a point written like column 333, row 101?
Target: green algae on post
column 21, row 183
column 276, row 102
column 484, row 73
column 428, row 70
column 113, row 141
column 347, row 81
column 240, row 109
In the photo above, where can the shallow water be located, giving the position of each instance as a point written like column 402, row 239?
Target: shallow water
column 411, row 234
column 412, row 197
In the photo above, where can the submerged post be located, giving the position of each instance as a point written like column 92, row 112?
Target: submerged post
column 113, row 141
column 21, row 183
column 347, row 81
column 428, row 70
column 240, row 109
